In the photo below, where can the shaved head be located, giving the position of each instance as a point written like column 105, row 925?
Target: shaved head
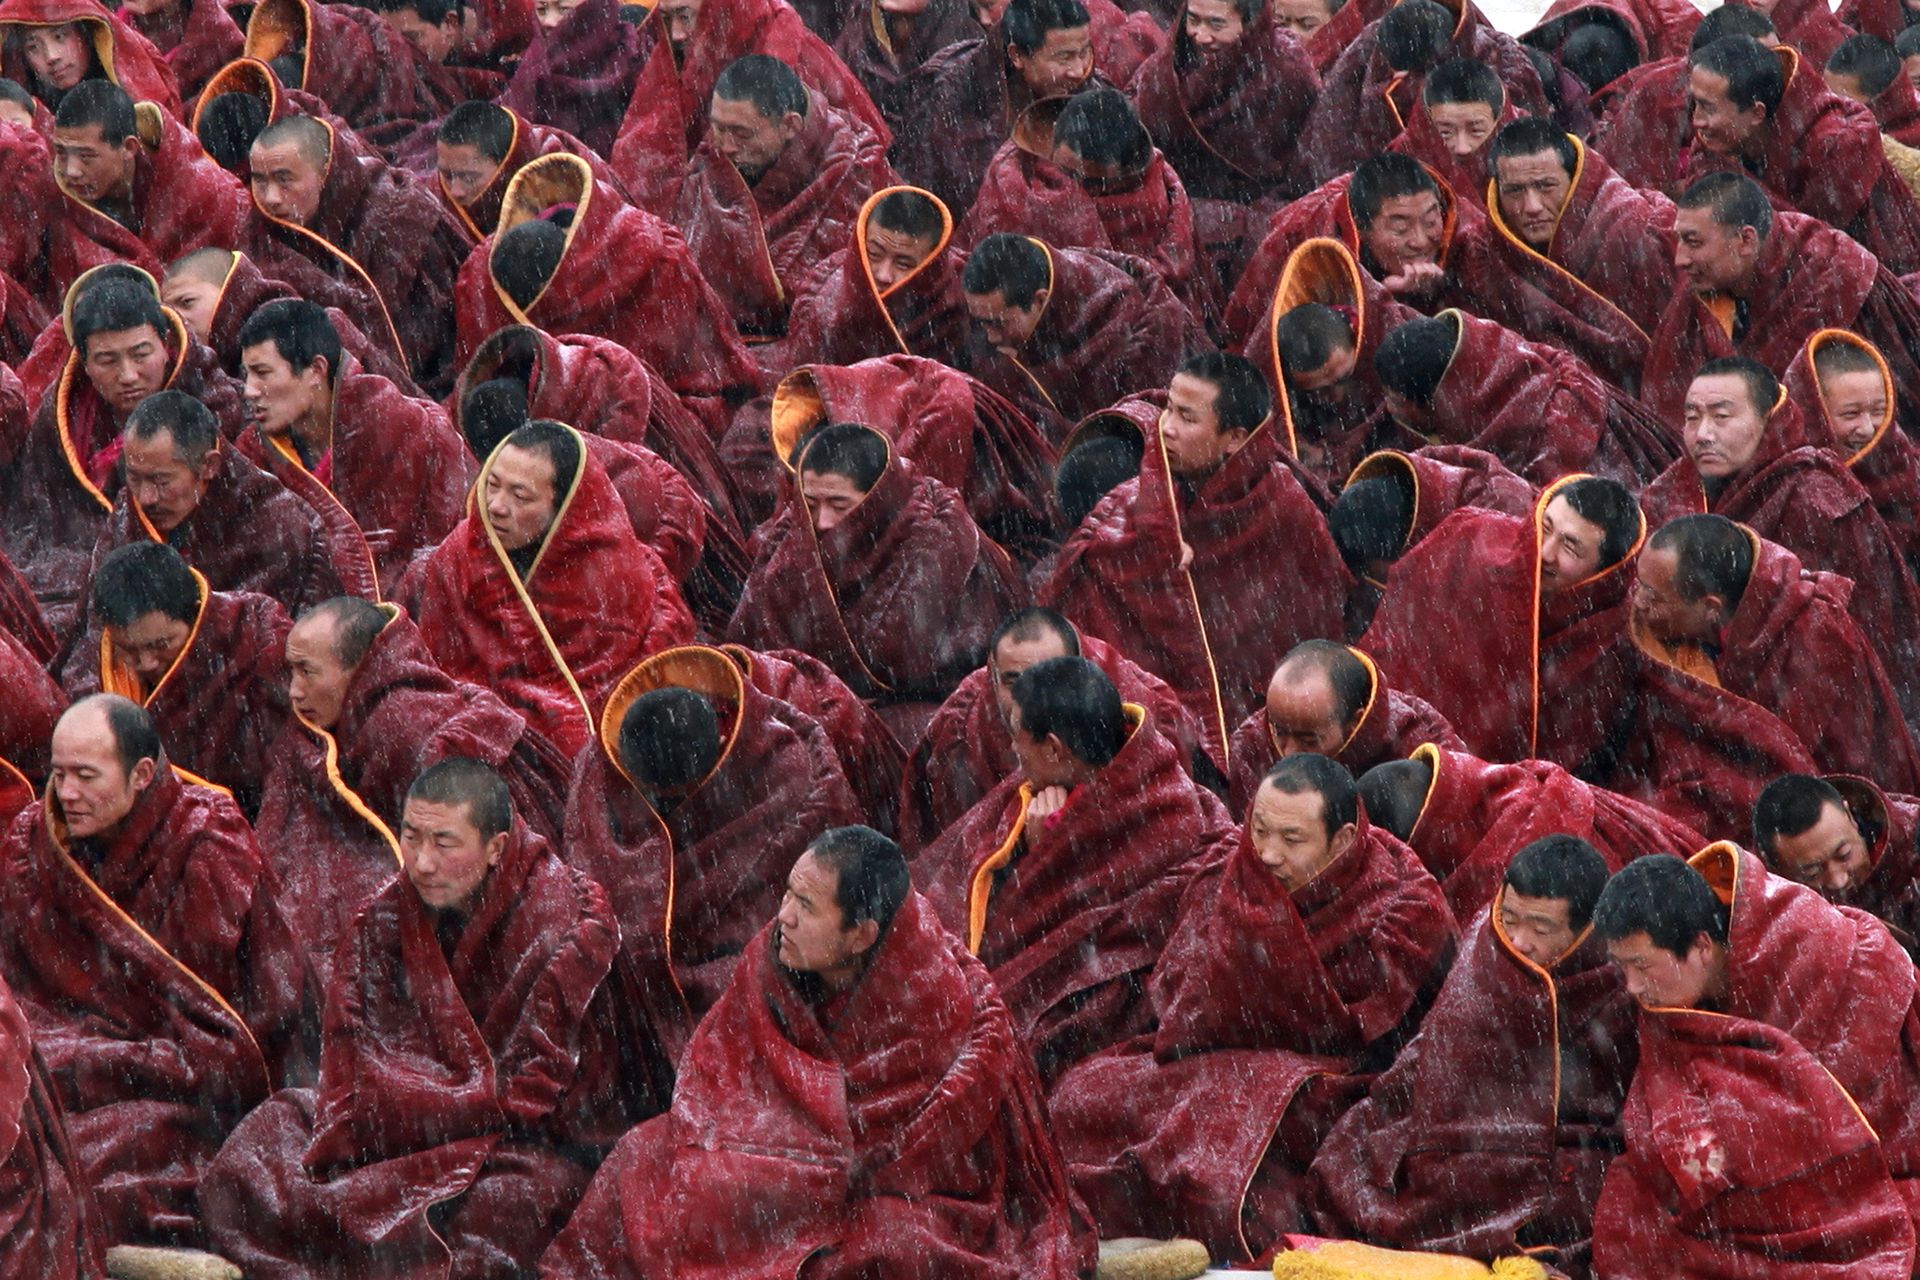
column 204, row 266
column 307, row 135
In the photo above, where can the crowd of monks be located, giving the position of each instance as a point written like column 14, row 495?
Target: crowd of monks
column 885, row 639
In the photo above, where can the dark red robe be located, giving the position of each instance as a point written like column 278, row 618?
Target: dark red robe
column 1071, row 917
column 1811, row 27
column 886, row 64
column 1466, row 175
column 26, row 160
column 1490, row 1133
column 579, row 76
column 201, row 41
column 910, row 1126
column 30, row 705
column 470, row 1076
column 246, row 289
column 124, row 55
column 1897, row 109
column 1657, row 28
column 1644, row 122
column 53, row 1229
column 369, row 75
column 1273, row 1007
column 666, row 515
column 166, row 992
column 1331, row 38
column 1889, row 824
column 480, row 215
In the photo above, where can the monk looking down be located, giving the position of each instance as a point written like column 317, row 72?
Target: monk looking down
column 1847, row 839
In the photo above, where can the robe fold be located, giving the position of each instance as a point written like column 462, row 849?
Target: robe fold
column 667, row 517
column 369, row 75
column 1071, row 915
column 480, row 214
column 245, row 289
column 579, row 76
column 469, row 1078
column 1273, row 1007
column 205, row 39
column 1657, row 28
column 1644, row 122
column 30, row 705
column 885, row 58
column 125, row 56
column 909, row 1127
column 52, row 1228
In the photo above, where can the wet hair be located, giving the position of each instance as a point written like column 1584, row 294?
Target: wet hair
column 1547, row 73
column 669, row 739
column 1415, row 34
column 227, row 125
column 871, row 874
column 1610, row 505
column 1075, row 701
column 1013, row 266
column 1090, row 471
column 1414, row 358
column 16, row 93
column 556, row 443
column 1372, row 520
column 525, row 258
column 1297, row 775
column 1752, row 71
column 1868, row 59
column 487, row 127
column 1027, row 22
column 1830, row 358
column 473, row 785
column 1789, row 806
column 1351, row 682
column 301, row 332
column 1563, row 867
column 1309, row 334
column 134, row 736
column 909, row 213
column 194, row 429
column 1395, row 794
column 1907, row 43
column 1099, row 125
column 1598, row 53
column 491, row 412
column 1459, row 81
column 1387, row 176
column 769, row 84
column 115, row 306
column 357, row 624
column 1734, row 199
column 1529, row 136
column 845, row 449
column 312, row 139
column 100, row 103
column 1024, row 626
column 142, row 578
column 1712, row 556
column 1664, row 898
column 1763, row 389
column 1241, row 398
column 1730, row 20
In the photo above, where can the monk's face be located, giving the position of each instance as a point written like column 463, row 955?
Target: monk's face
column 521, row 496
column 1464, row 127
column 1831, row 855
column 94, row 790
column 1569, row 546
column 436, row 40
column 1005, row 326
column 810, row 933
column 892, row 255
column 1329, row 376
column 1712, row 258
column 1097, row 178
column 91, row 168
column 1406, row 230
column 465, row 170
column 1190, row 428
column 126, row 366
column 279, row 397
column 1723, row 427
column 16, row 115
column 551, row 13
column 445, row 856
column 1718, row 125
column 1045, row 762
column 59, row 56
column 1664, row 612
column 1213, row 24
column 1302, row 17
column 1289, row 833
column 150, row 644
column 1060, row 65
column 316, row 678
column 286, row 181
column 194, row 300
column 1659, row 979
column 167, row 485
column 831, row 497
column 749, row 140
column 1303, row 712
column 679, row 17
column 1010, row 660
column 1532, row 190
column 1538, row 928
column 1856, row 405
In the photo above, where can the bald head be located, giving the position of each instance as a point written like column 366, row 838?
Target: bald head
column 324, row 652
column 1316, row 698
column 192, row 287
column 106, row 753
column 288, row 164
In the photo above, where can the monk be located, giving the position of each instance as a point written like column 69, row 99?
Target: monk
column 577, row 75
column 54, row 1228
column 1457, row 379
column 1444, row 1155
column 166, row 992
column 1064, row 333
column 1162, row 568
column 1325, row 27
column 1462, row 103
column 369, row 75
column 197, row 38
column 49, row 46
column 885, row 43
column 479, row 147
column 352, row 445
column 370, row 709
column 967, row 748
column 1065, row 879
column 1802, row 1147
column 1299, row 966
column 1849, row 840
column 1743, row 613
column 773, row 188
column 206, row 666
column 1465, row 817
column 1330, row 699
column 477, row 978
column 920, row 1133
column 692, row 756
column 878, row 571
column 1866, row 70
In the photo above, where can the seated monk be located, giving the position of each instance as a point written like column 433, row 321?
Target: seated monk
column 578, row 73
column 1845, row 393
column 144, row 940
column 699, row 790
column 919, row 1134
column 1462, row 103
column 369, row 76
column 1760, row 1127
column 771, row 189
column 1465, row 817
column 477, row 978
column 1742, row 613
column 373, row 709
column 206, row 665
column 468, row 58
column 1457, row 379
column 1083, row 172
column 1330, row 699
column 50, row 46
column 1849, row 840
column 1064, row 333
column 1215, row 560
column 1866, row 70
column 967, row 748
column 324, row 204
column 1065, row 879
column 480, row 146
column 53, row 1227
column 1325, row 27
column 1446, row 1156
column 878, row 571
column 552, row 643
column 353, row 446
column 1299, row 966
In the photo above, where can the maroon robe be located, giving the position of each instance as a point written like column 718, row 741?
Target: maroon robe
column 26, row 159
column 53, row 1229
column 470, row 1076
column 885, row 62
column 1071, row 917
column 30, row 705
column 246, row 289
column 369, row 75
column 124, row 55
column 167, row 995
column 1656, row 28
column 201, row 40
column 910, row 1126
column 579, row 76
column 666, row 515
column 1897, row 109
column 1889, row 824
column 1273, row 1007
column 1645, row 122
column 1811, row 27
column 1466, row 175
column 480, row 215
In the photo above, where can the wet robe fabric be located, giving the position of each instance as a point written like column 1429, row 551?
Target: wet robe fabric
column 203, row 39
column 52, row 1228
column 884, row 58
column 245, row 289
column 368, row 74
column 30, row 705
column 124, row 55
column 579, row 76
column 1281, row 1001
column 909, row 1127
